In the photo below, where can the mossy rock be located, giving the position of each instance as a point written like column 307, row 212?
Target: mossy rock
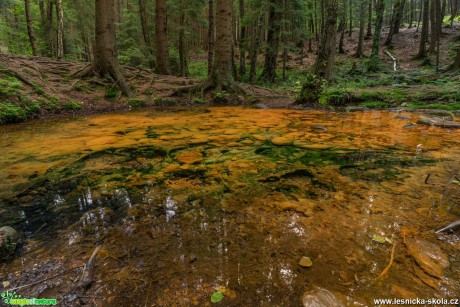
column 9, row 239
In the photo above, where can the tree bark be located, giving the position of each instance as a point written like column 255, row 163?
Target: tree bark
column 369, row 21
column 374, row 58
column 60, row 29
column 105, row 62
column 255, row 50
column 50, row 29
column 434, row 19
column 211, row 34
column 342, row 26
column 161, row 39
column 395, row 21
column 453, row 11
column 182, row 48
column 146, row 33
column 362, row 18
column 273, row 36
column 424, row 36
column 455, row 66
column 30, row 28
column 324, row 65
column 242, row 69
column 351, row 18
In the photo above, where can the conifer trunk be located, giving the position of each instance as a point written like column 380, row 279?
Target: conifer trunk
column 60, row 29
column 273, row 36
column 161, row 38
column 211, row 33
column 374, row 58
column 146, row 33
column 424, row 36
column 30, row 28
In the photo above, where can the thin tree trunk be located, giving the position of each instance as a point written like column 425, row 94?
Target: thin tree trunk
column 242, row 70
column 374, row 58
column 453, row 11
column 146, row 33
column 324, row 65
column 30, row 28
column 273, row 36
column 161, row 38
column 399, row 12
column 456, row 64
column 433, row 26
column 255, row 51
column 369, row 21
column 60, row 29
column 182, row 49
column 362, row 18
column 411, row 13
column 423, row 37
column 351, row 19
column 50, row 29
column 343, row 26
column 211, row 33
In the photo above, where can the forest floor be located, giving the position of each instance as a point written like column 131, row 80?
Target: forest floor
column 36, row 87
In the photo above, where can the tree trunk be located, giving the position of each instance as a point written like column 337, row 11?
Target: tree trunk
column 50, row 29
column 182, row 48
column 453, row 11
column 351, row 19
column 255, row 50
column 411, row 13
column 342, row 26
column 161, row 38
column 374, row 58
column 324, row 65
column 242, row 70
column 362, row 18
column 433, row 25
column 369, row 21
column 456, row 64
column 211, row 33
column 424, row 36
column 30, row 28
column 399, row 13
column 60, row 29
column 146, row 33
column 273, row 36
column 395, row 21
column 105, row 62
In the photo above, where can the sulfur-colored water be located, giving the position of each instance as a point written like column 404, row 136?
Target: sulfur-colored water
column 185, row 202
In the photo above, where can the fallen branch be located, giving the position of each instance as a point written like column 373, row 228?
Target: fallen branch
column 392, row 58
column 17, row 75
column 86, row 278
column 449, row 226
column 387, row 268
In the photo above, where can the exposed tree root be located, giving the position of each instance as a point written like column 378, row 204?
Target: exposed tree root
column 212, row 84
column 86, row 278
column 17, row 75
column 449, row 226
column 387, row 268
column 90, row 70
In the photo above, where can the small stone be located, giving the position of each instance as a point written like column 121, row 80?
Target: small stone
column 305, row 262
column 5, row 284
column 428, row 256
column 9, row 239
column 321, row 298
column 190, row 157
column 281, row 141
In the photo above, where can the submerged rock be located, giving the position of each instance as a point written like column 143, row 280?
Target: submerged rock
column 444, row 122
column 305, row 262
column 9, row 239
column 428, row 256
column 95, row 220
column 321, row 298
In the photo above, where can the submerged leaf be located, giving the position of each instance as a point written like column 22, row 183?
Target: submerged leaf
column 217, row 296
column 381, row 239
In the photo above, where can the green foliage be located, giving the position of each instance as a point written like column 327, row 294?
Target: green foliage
column 336, row 97
column 111, row 92
column 137, row 103
column 11, row 113
column 71, row 105
column 9, row 86
column 312, row 89
column 376, row 104
column 217, row 297
column 198, row 69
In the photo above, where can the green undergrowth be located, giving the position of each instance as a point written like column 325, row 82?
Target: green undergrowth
column 19, row 102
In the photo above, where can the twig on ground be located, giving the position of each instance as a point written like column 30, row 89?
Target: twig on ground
column 387, row 268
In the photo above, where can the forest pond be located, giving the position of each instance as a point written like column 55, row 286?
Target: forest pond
column 186, row 202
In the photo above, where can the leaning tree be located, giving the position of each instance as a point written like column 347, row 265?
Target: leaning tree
column 105, row 62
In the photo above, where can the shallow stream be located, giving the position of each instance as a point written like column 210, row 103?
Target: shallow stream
column 185, row 202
